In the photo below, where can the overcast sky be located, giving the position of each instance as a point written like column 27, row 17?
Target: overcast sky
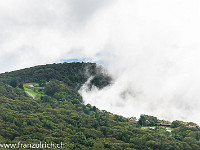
column 151, row 48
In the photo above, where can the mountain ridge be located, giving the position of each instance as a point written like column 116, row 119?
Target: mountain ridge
column 58, row 114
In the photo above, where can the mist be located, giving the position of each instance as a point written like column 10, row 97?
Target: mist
column 153, row 55
column 150, row 48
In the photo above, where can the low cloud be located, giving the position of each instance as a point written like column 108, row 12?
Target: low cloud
column 150, row 48
column 153, row 55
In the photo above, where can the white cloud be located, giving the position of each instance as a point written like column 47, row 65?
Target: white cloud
column 150, row 47
column 154, row 56
column 40, row 31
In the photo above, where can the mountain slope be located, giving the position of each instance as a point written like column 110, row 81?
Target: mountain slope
column 57, row 114
column 73, row 74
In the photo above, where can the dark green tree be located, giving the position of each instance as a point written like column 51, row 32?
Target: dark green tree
column 13, row 83
column 21, row 86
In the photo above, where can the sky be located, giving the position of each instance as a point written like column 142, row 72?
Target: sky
column 150, row 48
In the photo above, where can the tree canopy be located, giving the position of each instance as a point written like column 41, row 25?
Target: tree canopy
column 58, row 114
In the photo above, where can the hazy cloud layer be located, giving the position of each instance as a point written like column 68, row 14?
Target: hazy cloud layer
column 151, row 48
column 46, row 31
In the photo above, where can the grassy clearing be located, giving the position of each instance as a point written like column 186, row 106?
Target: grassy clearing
column 32, row 88
column 158, row 128
column 168, row 128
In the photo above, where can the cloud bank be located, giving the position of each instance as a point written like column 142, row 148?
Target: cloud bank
column 151, row 49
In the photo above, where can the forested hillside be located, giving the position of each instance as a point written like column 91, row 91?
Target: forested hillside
column 57, row 114
column 72, row 74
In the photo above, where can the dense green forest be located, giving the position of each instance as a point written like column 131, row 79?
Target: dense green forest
column 57, row 114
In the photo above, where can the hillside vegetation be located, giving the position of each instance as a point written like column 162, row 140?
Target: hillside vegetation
column 57, row 114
